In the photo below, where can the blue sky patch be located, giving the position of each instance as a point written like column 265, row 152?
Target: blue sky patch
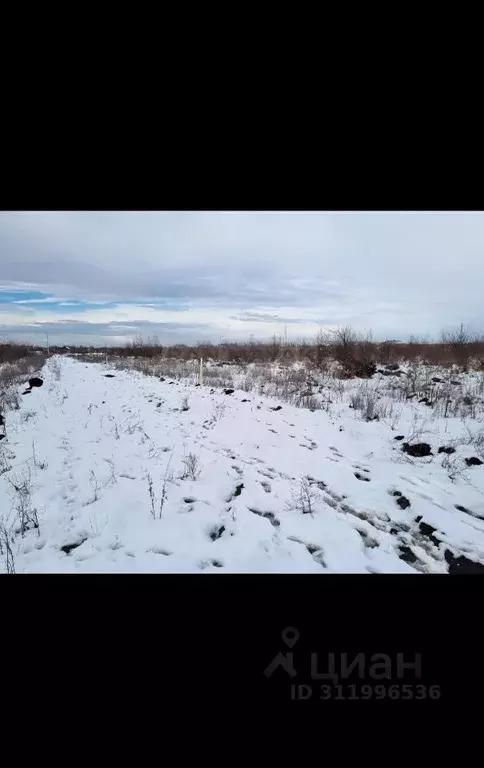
column 10, row 297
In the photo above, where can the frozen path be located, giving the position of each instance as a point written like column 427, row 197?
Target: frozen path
column 88, row 446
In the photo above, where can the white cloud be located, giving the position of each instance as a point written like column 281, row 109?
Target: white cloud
column 398, row 273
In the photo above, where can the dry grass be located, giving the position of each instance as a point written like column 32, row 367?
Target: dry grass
column 352, row 351
column 323, row 373
column 21, row 486
column 17, row 365
column 191, row 467
column 6, row 551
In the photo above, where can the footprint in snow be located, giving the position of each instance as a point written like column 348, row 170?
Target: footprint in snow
column 318, row 557
column 67, row 548
column 335, row 451
column 318, row 483
column 268, row 515
column 336, row 496
column 368, row 541
column 207, row 563
column 217, row 532
column 408, row 480
column 157, row 551
column 315, row 550
column 238, row 490
column 270, row 475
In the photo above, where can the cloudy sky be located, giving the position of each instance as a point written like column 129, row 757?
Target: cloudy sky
column 104, row 277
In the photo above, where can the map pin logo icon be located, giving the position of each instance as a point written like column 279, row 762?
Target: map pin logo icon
column 290, row 635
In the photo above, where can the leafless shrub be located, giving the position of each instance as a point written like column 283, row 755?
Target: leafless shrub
column 152, row 496
column 98, row 486
column 354, row 353
column 461, row 345
column 6, row 541
column 15, row 373
column 94, row 483
column 342, row 342
column 5, row 456
column 304, row 496
column 372, row 410
column 417, row 430
column 11, row 352
column 322, row 349
column 478, row 442
column 466, row 405
column 134, row 425
column 247, row 383
column 27, row 415
column 393, row 417
column 217, row 377
column 311, row 403
column 9, row 373
column 454, row 467
column 185, row 406
column 97, row 521
column 295, row 371
column 318, row 352
column 167, row 478
column 39, row 463
column 474, row 439
column 9, row 399
column 191, row 467
column 365, row 401
column 22, row 490
column 112, row 472
column 357, row 400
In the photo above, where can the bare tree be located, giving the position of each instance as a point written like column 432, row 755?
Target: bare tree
column 321, row 346
column 460, row 344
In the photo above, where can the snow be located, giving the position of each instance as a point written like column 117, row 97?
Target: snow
column 86, row 445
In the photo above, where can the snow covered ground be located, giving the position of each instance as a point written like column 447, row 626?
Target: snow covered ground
column 127, row 473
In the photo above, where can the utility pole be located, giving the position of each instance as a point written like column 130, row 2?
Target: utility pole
column 47, row 336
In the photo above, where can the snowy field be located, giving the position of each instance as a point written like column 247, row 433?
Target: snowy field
column 111, row 470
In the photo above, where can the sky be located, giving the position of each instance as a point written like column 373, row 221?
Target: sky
column 106, row 277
